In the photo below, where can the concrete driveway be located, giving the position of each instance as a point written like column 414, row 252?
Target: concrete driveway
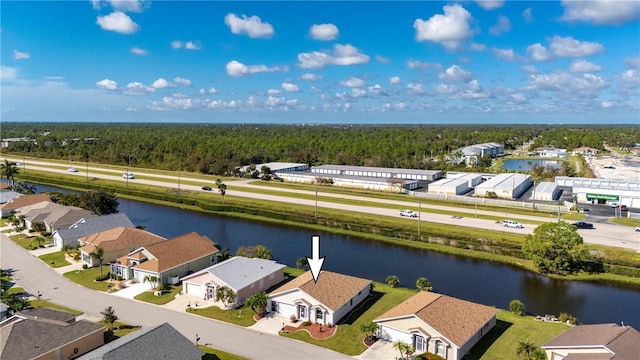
column 132, row 290
column 271, row 324
column 380, row 350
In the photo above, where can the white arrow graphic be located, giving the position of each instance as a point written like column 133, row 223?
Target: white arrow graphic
column 315, row 261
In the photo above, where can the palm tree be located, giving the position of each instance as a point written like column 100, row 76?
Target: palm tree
column 258, row 302
column 302, row 263
column 98, row 255
column 8, row 170
column 369, row 329
column 393, row 280
column 526, row 349
column 404, row 348
column 225, row 295
column 222, row 187
column 423, row 284
column 152, row 280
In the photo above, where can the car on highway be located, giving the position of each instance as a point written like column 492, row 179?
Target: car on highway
column 624, row 208
column 609, row 167
column 614, row 204
column 128, row 175
column 408, row 213
column 583, row 225
column 206, row 188
column 512, row 224
column 637, row 228
column 72, row 169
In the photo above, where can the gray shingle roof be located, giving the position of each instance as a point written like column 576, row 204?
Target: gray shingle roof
column 159, row 342
column 8, row 195
column 240, row 272
column 92, row 225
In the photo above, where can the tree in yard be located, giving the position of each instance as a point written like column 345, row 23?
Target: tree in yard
column 100, row 202
column 302, row 263
column 369, row 329
column 222, row 187
column 23, row 188
column 152, row 280
column 405, row 349
column 527, row 350
column 258, row 302
column 266, row 172
column 516, row 307
column 225, row 295
column 555, row 248
column 98, row 255
column 109, row 316
column 423, row 284
column 8, row 170
column 258, row 251
column 392, row 280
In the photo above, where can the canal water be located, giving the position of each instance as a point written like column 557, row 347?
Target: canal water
column 525, row 165
column 479, row 281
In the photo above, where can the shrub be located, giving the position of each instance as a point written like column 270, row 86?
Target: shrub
column 567, row 318
column 85, row 266
column 103, row 277
column 516, row 307
column 306, row 323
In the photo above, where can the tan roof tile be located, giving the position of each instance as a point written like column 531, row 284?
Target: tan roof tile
column 25, row 200
column 624, row 341
column 332, row 289
column 120, row 238
column 177, row 251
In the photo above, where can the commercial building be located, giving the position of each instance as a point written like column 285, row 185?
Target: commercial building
column 353, row 182
column 553, row 153
column 547, row 191
column 506, row 186
column 378, row 172
column 603, row 191
column 471, row 154
column 457, row 185
column 280, row 167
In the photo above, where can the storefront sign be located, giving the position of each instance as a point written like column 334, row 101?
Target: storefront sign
column 602, row 197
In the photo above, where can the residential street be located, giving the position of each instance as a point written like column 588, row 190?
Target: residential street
column 33, row 275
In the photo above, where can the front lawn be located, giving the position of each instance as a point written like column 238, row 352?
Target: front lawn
column 87, row 277
column 55, row 260
column 242, row 316
column 348, row 338
column 502, row 341
column 123, row 329
column 166, row 296
column 214, row 354
column 29, row 242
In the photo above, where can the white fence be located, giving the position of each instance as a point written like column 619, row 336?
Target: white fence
column 497, row 202
column 633, row 215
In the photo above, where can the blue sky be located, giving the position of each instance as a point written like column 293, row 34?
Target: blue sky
column 487, row 62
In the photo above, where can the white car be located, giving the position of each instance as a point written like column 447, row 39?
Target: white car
column 614, row 204
column 128, row 175
column 72, row 169
column 637, row 228
column 408, row 213
column 512, row 224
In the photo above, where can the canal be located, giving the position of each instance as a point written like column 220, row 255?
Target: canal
column 480, row 281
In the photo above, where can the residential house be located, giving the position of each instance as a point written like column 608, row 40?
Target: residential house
column 245, row 276
column 437, row 323
column 553, row 153
column 595, row 342
column 19, row 202
column 115, row 243
column 325, row 302
column 472, row 154
column 88, row 226
column 168, row 260
column 48, row 334
column 7, row 195
column 157, row 342
column 585, row 151
column 53, row 216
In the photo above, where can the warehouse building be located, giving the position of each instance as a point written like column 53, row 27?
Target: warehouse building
column 505, row 186
column 603, row 191
column 471, row 154
column 353, row 182
column 546, row 191
column 459, row 184
column 280, row 167
column 378, row 172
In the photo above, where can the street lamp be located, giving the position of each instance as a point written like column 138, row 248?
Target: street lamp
column 419, row 211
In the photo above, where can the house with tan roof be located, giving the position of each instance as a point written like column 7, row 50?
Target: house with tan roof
column 25, row 200
column 325, row 302
column 89, row 226
column 53, row 216
column 595, row 342
column 115, row 243
column 437, row 323
column 168, row 260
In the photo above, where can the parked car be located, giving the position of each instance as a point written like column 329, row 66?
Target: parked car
column 583, row 225
column 72, row 169
column 623, row 208
column 512, row 224
column 609, row 167
column 206, row 188
column 408, row 213
column 614, row 204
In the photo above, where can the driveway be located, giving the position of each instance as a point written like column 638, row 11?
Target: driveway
column 380, row 350
column 132, row 290
column 271, row 324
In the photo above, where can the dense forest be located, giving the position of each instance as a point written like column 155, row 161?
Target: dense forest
column 218, row 149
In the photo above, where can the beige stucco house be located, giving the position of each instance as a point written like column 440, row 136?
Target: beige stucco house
column 437, row 323
column 168, row 260
column 595, row 342
column 115, row 243
column 325, row 302
column 22, row 201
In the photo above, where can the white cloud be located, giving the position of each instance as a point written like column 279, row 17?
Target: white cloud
column 107, row 84
column 290, row 87
column 629, row 79
column 235, row 68
column 538, row 52
column 324, row 32
column 182, row 81
column 474, row 91
column 176, row 44
column 564, row 82
column 416, row 64
column 358, row 93
column 443, row 89
column 18, row 55
column 584, row 66
column 527, row 15
column 415, row 88
column 212, row 90
column 137, row 88
column 252, row 26
column 478, row 47
column 376, row 90
column 490, row 4
column 601, row 12
column 569, row 47
column 119, row 22
column 455, row 74
column 382, row 60
column 449, row 29
column 632, row 62
column 353, row 82
column 530, row 69
column 311, row 77
column 138, row 51
column 502, row 26
column 273, row 92
column 190, row 45
column 394, row 80
column 161, row 83
column 127, row 5
column 505, row 54
column 342, row 55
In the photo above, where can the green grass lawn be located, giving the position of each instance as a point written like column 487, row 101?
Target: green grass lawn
column 625, row 221
column 242, row 316
column 214, row 354
column 29, row 242
column 166, row 296
column 87, row 277
column 348, row 338
column 123, row 329
column 502, row 341
column 55, row 260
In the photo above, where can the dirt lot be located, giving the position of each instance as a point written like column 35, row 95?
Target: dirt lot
column 622, row 170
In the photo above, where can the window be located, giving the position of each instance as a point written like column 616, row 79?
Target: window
column 440, row 349
column 319, row 314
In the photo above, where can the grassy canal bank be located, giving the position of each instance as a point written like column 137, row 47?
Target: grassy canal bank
column 623, row 266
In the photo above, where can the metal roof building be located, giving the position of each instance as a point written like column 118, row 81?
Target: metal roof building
column 378, row 172
column 354, row 182
column 546, row 191
column 603, row 191
column 506, row 186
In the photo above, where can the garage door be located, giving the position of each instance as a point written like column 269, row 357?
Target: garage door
column 286, row 309
column 193, row 289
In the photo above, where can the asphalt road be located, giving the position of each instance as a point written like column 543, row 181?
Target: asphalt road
column 33, row 275
column 603, row 234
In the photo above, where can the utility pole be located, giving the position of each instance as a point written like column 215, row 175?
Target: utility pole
column 419, row 214
column 316, row 212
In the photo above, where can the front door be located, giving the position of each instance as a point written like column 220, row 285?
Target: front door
column 210, row 292
column 302, row 312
